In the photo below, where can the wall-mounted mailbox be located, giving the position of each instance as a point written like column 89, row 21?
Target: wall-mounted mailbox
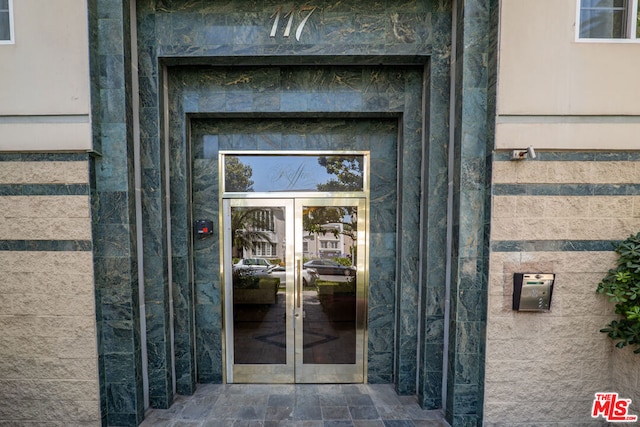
column 204, row 227
column 532, row 292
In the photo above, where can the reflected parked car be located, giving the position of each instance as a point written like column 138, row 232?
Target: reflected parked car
column 256, row 264
column 330, row 267
column 309, row 275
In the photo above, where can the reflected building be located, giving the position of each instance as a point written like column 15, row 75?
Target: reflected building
column 333, row 243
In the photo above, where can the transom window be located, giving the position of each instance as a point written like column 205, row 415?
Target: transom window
column 6, row 21
column 260, row 172
column 608, row 19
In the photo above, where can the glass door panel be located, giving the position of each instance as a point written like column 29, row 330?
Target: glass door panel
column 258, row 290
column 295, row 282
column 333, row 307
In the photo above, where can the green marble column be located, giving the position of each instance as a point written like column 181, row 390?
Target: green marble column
column 113, row 216
column 475, row 73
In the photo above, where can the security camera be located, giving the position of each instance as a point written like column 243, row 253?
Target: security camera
column 531, row 152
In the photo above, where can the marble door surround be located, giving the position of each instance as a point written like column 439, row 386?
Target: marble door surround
column 202, row 66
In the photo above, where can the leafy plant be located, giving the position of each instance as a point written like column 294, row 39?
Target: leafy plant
column 622, row 286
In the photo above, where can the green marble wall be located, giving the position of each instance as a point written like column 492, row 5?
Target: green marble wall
column 378, row 135
column 318, row 96
column 352, row 58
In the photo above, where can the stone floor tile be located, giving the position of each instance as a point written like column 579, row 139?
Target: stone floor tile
column 333, row 400
column 417, row 413
column 218, row 423
column 392, row 412
column 398, row 423
column 335, row 413
column 338, row 423
column 308, row 405
column 354, row 389
column 281, row 400
column 368, row 423
column 307, row 400
column 279, row 413
column 251, row 413
column 363, row 413
column 430, row 423
column 307, row 413
column 359, row 400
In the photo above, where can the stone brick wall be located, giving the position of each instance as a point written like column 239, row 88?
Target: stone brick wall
column 557, row 216
column 625, row 370
column 48, row 350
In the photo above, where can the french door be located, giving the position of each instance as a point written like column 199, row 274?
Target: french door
column 295, row 289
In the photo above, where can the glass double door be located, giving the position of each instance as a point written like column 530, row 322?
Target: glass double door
column 295, row 290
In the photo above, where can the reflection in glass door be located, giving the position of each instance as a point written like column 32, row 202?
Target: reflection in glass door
column 295, row 290
column 331, row 339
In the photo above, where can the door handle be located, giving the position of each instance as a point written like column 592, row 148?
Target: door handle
column 299, row 283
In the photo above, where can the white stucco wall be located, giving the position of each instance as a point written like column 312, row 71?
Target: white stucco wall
column 557, row 92
column 44, row 89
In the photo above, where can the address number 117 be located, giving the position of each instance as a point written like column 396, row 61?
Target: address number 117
column 287, row 30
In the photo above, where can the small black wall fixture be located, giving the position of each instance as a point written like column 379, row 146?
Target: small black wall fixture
column 203, row 227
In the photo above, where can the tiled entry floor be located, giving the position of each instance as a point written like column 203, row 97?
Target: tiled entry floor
column 307, row 405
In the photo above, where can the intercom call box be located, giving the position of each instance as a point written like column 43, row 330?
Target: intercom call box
column 532, row 292
column 204, row 227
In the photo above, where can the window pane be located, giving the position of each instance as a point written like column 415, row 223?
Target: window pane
column 608, row 4
column 4, row 4
column 638, row 22
column 264, row 173
column 5, row 33
column 602, row 23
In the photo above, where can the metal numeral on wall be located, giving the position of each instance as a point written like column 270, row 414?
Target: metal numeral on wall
column 290, row 14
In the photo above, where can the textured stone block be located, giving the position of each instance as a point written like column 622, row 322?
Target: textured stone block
column 45, row 229
column 625, row 371
column 31, row 327
column 44, row 207
column 504, row 172
column 44, row 173
column 17, row 390
column 46, row 283
column 42, row 410
column 58, row 263
column 22, row 367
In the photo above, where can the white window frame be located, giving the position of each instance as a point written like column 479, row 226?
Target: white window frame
column 12, row 38
column 632, row 20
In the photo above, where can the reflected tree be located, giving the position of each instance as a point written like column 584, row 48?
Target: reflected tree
column 237, row 175
column 347, row 171
column 319, row 219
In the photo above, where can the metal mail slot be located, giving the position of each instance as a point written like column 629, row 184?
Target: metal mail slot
column 532, row 292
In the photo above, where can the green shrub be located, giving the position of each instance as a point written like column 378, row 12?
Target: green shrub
column 342, row 261
column 622, row 286
column 244, row 279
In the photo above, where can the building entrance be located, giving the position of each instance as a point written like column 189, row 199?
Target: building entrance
column 295, row 273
